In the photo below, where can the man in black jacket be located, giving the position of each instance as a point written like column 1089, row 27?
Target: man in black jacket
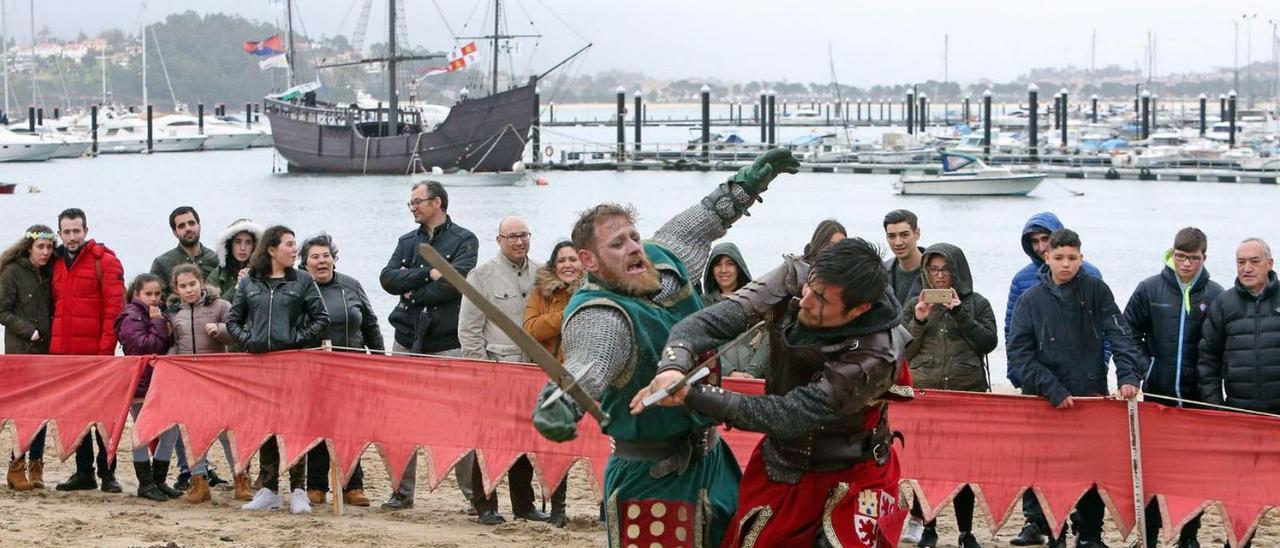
column 1165, row 313
column 1080, row 313
column 426, row 318
column 1240, row 349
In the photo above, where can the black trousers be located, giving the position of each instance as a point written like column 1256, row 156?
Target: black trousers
column 318, row 471
column 269, row 468
column 520, row 480
column 963, row 504
column 84, row 456
column 1153, row 526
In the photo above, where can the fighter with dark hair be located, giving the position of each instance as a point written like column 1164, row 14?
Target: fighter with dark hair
column 825, row 473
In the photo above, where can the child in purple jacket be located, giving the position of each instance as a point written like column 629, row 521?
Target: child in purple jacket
column 143, row 329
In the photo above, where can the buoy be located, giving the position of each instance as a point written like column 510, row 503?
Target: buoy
column 541, row 181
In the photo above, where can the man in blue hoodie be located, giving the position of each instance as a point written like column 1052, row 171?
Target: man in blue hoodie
column 1035, row 242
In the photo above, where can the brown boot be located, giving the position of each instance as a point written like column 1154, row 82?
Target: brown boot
column 241, row 490
column 316, row 496
column 355, row 497
column 35, row 473
column 17, row 476
column 199, row 491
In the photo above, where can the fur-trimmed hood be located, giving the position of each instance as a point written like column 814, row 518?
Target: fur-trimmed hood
column 548, row 283
column 240, row 225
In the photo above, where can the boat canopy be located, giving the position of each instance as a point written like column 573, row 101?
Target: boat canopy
column 954, row 161
column 296, row 92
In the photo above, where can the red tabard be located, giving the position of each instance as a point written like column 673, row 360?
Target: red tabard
column 859, row 506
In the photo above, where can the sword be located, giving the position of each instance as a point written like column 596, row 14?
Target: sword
column 536, row 351
column 701, row 371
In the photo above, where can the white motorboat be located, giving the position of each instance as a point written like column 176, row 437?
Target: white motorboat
column 70, row 144
column 217, row 135
column 965, row 175
column 127, row 134
column 895, row 148
column 15, row 147
column 802, row 117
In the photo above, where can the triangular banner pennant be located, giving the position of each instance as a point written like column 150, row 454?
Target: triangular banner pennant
column 396, row 458
column 294, row 449
column 998, row 501
column 345, row 454
column 24, row 432
column 934, row 495
column 1057, row 500
column 443, row 459
column 552, row 469
column 1178, row 511
column 494, row 464
column 1243, row 519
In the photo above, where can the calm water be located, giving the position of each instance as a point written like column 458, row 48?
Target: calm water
column 1125, row 225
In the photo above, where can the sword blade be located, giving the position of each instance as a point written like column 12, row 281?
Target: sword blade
column 537, row 353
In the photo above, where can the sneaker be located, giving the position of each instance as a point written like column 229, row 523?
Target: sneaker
column 913, row 530
column 299, row 503
column 264, row 499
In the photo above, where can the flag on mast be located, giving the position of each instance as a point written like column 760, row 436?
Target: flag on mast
column 276, row 61
column 458, row 60
column 262, row 48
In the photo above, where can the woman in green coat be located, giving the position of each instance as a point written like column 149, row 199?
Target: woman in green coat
column 726, row 273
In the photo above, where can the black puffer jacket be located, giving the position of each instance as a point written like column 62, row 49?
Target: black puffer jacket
column 1240, row 349
column 1166, row 325
column 427, row 320
column 949, row 349
column 287, row 314
column 1057, row 339
column 352, row 323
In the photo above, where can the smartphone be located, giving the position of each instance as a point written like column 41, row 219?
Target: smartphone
column 936, row 296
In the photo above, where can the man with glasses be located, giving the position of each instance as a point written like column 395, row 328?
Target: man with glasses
column 507, row 280
column 1165, row 315
column 426, row 317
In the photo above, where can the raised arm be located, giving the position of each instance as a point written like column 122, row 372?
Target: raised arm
column 689, row 234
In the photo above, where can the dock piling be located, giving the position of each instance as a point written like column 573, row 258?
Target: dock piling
column 1033, row 121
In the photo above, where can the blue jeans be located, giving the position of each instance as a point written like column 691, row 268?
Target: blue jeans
column 202, row 468
column 36, row 451
column 164, row 450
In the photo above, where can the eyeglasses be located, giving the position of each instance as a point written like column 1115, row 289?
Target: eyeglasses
column 516, row 236
column 414, row 202
column 937, row 270
column 1189, row 259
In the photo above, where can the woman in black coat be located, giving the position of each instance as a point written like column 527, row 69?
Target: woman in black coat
column 277, row 307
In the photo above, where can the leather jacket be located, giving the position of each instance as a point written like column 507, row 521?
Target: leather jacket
column 284, row 314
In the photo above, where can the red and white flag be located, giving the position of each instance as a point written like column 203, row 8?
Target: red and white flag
column 459, row 59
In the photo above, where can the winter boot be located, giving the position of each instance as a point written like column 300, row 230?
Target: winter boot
column 160, row 473
column 79, row 481
column 147, row 484
column 242, row 490
column 109, row 483
column 35, row 473
column 17, row 477
column 199, row 491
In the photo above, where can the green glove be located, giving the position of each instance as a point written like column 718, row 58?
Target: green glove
column 756, row 177
column 557, row 422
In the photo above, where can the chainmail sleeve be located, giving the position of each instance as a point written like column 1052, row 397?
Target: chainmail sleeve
column 689, row 234
column 597, row 345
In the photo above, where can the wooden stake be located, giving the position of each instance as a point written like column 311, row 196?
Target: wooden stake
column 1135, row 458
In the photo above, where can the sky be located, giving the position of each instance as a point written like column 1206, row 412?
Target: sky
column 881, row 42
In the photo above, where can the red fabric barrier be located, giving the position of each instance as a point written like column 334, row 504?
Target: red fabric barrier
column 1000, row 445
column 73, row 392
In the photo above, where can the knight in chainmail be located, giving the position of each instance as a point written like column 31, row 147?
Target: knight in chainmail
column 826, row 473
column 670, row 480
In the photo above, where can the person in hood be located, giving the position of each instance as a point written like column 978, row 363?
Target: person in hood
column 1057, row 344
column 902, row 231
column 1035, row 242
column 948, row 351
column 26, row 312
column 143, row 328
column 1240, row 350
column 837, row 342
column 88, row 295
column 726, row 273
column 235, row 245
column 1166, row 313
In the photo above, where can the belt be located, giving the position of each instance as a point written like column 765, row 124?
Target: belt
column 667, row 456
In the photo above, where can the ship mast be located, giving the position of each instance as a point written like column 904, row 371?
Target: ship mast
column 497, row 18
column 288, row 47
column 393, row 125
column 4, row 55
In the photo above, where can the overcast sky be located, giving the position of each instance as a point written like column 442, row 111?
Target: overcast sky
column 882, row 42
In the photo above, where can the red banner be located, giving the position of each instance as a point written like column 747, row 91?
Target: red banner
column 1000, row 445
column 73, row 392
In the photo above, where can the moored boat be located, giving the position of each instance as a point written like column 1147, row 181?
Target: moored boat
column 965, row 175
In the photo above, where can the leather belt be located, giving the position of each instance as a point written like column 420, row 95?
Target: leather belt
column 667, row 456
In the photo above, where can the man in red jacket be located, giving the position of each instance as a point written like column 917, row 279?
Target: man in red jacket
column 88, row 294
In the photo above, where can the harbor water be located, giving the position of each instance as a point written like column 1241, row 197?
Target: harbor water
column 1125, row 225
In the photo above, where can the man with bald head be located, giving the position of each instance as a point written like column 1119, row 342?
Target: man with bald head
column 506, row 280
column 1239, row 362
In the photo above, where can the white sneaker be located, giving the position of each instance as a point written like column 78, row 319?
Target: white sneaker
column 914, row 529
column 299, row 503
column 264, row 499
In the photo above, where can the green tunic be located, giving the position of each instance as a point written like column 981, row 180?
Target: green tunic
column 709, row 487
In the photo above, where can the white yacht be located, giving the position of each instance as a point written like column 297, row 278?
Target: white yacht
column 126, row 134
column 15, row 147
column 218, row 135
column 965, row 175
column 70, row 144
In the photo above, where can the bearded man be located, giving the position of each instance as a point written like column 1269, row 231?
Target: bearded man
column 670, row 479
column 825, row 474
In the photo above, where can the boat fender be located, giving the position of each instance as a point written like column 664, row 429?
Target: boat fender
column 720, row 165
column 549, row 151
column 1145, row 172
column 541, row 181
column 1112, row 173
